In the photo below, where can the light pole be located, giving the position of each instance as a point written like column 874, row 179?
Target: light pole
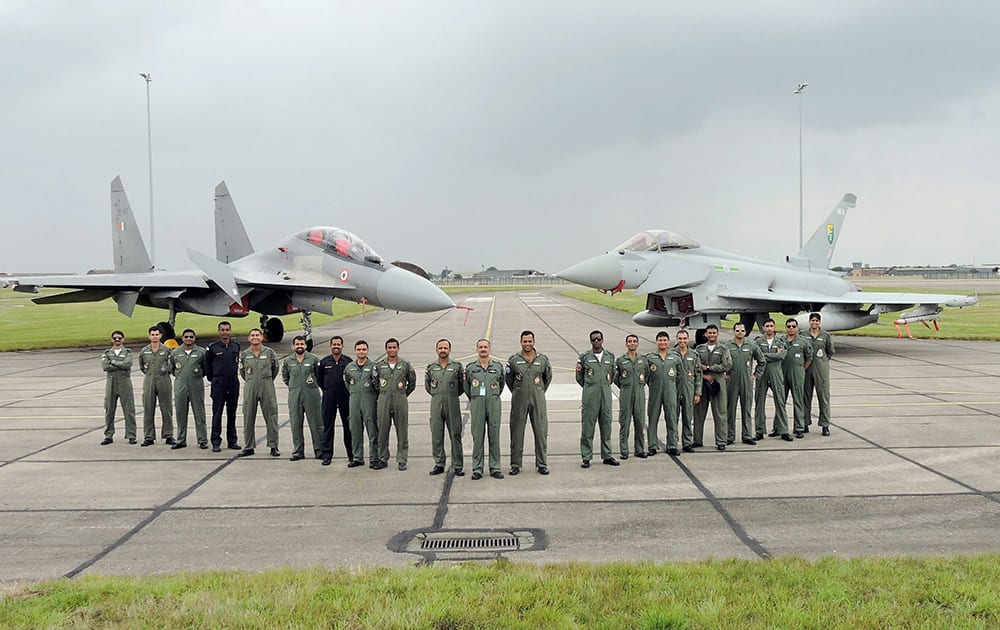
column 798, row 90
column 149, row 143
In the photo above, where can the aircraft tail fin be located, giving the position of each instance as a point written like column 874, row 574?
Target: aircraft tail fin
column 818, row 250
column 129, row 248
column 231, row 239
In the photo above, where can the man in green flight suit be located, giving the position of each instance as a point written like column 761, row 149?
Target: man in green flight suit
column 117, row 364
column 665, row 380
column 187, row 364
column 259, row 368
column 529, row 375
column 818, row 374
column 689, row 392
column 770, row 377
column 631, row 374
column 796, row 363
column 154, row 362
column 394, row 380
column 359, row 377
column 299, row 371
column 444, row 380
column 484, row 380
column 594, row 372
column 746, row 357
column 716, row 361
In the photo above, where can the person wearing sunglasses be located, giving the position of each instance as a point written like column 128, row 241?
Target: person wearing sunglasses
column 797, row 361
column 594, row 372
column 117, row 365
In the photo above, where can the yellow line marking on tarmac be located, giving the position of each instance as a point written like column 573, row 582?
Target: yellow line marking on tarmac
column 489, row 321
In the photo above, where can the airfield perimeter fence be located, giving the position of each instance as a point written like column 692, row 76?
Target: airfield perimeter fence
column 536, row 281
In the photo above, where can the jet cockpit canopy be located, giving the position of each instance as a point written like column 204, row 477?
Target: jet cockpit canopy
column 341, row 243
column 656, row 241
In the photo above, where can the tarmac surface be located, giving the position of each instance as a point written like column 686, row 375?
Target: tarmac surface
column 912, row 467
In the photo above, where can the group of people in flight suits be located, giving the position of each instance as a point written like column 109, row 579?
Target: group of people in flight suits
column 371, row 396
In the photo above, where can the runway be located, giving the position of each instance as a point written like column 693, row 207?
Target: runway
column 912, row 467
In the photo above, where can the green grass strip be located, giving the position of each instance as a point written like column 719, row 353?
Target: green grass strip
column 955, row 592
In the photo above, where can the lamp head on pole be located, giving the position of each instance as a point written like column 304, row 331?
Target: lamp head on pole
column 801, row 88
column 146, row 75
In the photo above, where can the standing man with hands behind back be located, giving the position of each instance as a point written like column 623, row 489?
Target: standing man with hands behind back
column 188, row 367
column 221, row 369
column 154, row 362
column 395, row 381
column 336, row 399
column 529, row 375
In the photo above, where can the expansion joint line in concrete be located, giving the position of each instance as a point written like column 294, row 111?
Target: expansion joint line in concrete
column 959, row 482
column 730, row 520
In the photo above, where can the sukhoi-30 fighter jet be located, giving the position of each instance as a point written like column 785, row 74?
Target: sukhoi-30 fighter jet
column 302, row 274
column 687, row 284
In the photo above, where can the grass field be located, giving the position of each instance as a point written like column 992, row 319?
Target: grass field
column 975, row 322
column 28, row 326
column 783, row 593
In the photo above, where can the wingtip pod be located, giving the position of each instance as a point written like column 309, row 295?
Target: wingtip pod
column 850, row 200
column 963, row 300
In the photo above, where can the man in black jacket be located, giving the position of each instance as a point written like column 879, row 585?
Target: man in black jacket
column 221, row 370
column 335, row 397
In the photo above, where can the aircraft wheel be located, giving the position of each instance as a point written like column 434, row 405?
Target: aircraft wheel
column 274, row 330
column 699, row 337
column 309, row 344
column 167, row 330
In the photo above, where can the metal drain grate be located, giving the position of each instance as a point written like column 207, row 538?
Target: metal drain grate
column 463, row 543
column 469, row 544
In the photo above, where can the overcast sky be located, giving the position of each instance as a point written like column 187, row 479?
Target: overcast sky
column 516, row 134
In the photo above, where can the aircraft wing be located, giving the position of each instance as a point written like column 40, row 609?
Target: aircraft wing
column 113, row 281
column 889, row 301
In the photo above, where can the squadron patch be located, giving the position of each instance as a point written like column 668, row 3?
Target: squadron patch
column 652, row 367
column 475, row 382
column 671, row 372
column 382, row 382
column 401, row 385
column 177, row 365
column 538, row 380
column 819, row 352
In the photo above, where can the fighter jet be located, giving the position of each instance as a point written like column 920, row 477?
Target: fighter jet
column 690, row 285
column 302, row 274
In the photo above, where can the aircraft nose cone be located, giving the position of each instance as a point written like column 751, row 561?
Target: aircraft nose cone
column 599, row 272
column 401, row 290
